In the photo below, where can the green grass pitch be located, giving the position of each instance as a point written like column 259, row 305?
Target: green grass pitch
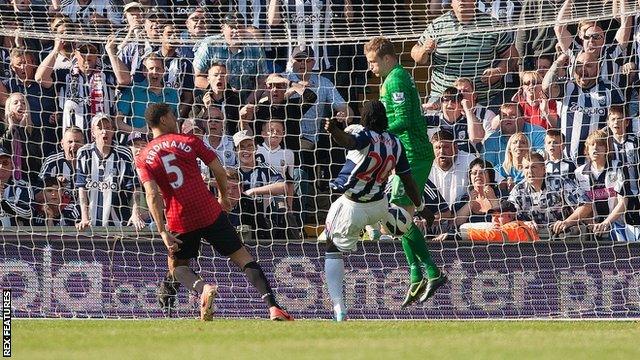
column 261, row 339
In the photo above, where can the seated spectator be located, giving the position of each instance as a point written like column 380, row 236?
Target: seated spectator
column 556, row 164
column 483, row 194
column 466, row 88
column 536, row 108
column 20, row 137
column 280, row 102
column 557, row 205
column 135, row 100
column 219, row 95
column 503, row 227
column 216, row 139
column 62, row 165
column 50, row 207
column 15, row 208
column 510, row 122
column 277, row 157
column 449, row 172
column 457, row 117
column 262, row 205
column 606, row 184
column 584, row 101
column 177, row 69
column 245, row 61
column 84, row 88
column 105, row 178
column 41, row 101
column 328, row 102
column 625, row 152
column 511, row 169
column 133, row 17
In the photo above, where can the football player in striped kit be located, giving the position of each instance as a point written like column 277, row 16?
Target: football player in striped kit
column 373, row 153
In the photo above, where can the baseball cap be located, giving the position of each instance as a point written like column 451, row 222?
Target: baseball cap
column 4, row 152
column 155, row 12
column 505, row 206
column 241, row 136
column 99, row 117
column 302, row 52
column 233, row 19
column 132, row 5
column 137, row 135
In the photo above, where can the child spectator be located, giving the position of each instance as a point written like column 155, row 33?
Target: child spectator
column 556, row 164
column 605, row 183
column 50, row 207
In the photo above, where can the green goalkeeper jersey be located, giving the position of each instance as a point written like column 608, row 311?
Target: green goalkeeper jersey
column 402, row 102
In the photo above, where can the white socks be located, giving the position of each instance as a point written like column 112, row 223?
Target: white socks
column 334, row 272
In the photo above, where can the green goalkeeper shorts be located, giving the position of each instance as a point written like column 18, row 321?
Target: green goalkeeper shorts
column 420, row 173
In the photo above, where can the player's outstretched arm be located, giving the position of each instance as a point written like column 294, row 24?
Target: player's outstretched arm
column 156, row 208
column 342, row 138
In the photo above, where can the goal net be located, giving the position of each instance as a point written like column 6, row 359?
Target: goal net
column 532, row 108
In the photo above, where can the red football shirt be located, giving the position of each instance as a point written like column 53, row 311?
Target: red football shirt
column 171, row 161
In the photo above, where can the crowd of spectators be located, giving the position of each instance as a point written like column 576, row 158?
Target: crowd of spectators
column 543, row 121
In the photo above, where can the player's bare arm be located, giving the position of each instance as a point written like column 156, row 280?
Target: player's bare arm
column 342, row 138
column 156, row 207
column 221, row 183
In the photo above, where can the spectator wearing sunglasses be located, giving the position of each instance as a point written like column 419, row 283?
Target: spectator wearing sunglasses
column 457, row 116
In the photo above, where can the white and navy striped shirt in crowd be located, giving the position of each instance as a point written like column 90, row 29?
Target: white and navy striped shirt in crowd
column 57, row 165
column 68, row 216
column 364, row 175
column 459, row 129
column 627, row 155
column 603, row 188
column 15, row 206
column 262, row 174
column 583, row 111
column 507, row 11
column 305, row 22
column 612, row 57
column 253, row 11
column 563, row 168
column 74, row 95
column 109, row 182
column 178, row 73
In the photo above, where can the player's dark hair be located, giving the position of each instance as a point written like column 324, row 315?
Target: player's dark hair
column 374, row 116
column 155, row 112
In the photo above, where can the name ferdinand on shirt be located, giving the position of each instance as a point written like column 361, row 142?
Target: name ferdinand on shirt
column 153, row 152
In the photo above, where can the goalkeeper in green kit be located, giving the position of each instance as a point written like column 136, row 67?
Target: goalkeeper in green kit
column 402, row 102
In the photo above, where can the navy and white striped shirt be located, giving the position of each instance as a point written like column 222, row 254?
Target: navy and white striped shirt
column 583, row 111
column 15, row 208
column 57, row 165
column 563, row 168
column 627, row 155
column 612, row 57
column 507, row 11
column 365, row 173
column 178, row 73
column 109, row 182
column 459, row 129
column 68, row 216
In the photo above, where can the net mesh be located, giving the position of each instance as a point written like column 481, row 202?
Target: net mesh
column 63, row 62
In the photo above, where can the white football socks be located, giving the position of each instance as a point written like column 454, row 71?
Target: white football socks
column 334, row 272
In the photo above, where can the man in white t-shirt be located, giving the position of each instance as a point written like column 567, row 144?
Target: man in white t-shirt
column 450, row 170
